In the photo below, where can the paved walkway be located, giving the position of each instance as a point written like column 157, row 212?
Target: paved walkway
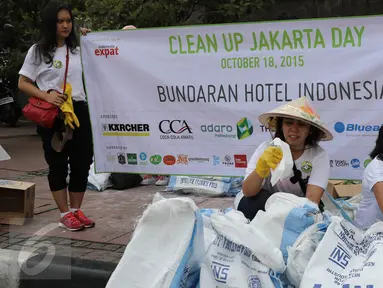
column 115, row 212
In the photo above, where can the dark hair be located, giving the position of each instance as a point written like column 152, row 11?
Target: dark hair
column 378, row 150
column 312, row 139
column 47, row 42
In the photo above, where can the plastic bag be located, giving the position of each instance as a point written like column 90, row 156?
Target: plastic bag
column 300, row 253
column 195, row 185
column 240, row 255
column 347, row 257
column 288, row 215
column 3, row 154
column 285, row 167
column 166, row 249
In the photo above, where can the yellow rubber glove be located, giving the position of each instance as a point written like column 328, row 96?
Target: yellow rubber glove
column 67, row 108
column 69, row 120
column 268, row 160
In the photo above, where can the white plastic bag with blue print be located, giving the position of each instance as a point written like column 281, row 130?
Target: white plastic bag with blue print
column 288, row 215
column 209, row 233
column 240, row 255
column 216, row 186
column 300, row 253
column 347, row 257
column 342, row 207
column 166, row 249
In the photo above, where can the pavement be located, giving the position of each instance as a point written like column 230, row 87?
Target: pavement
column 115, row 212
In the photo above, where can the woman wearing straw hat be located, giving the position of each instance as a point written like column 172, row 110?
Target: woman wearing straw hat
column 297, row 124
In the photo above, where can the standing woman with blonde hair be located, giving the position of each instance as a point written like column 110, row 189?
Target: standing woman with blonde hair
column 52, row 65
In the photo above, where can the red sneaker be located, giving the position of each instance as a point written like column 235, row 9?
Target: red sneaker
column 84, row 220
column 70, row 222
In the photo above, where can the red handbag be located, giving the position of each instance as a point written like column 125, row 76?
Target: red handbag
column 42, row 112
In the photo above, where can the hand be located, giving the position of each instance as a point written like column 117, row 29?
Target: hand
column 268, row 160
column 56, row 98
column 84, row 31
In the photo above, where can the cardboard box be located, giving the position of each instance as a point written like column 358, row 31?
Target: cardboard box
column 339, row 190
column 17, row 201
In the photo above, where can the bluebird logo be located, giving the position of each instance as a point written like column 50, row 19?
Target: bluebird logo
column 215, row 160
column 143, row 156
column 355, row 163
column 340, row 127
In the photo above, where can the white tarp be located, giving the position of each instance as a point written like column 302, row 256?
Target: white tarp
column 186, row 100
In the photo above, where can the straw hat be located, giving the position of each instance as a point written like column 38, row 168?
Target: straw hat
column 299, row 109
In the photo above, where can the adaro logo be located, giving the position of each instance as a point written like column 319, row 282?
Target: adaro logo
column 244, row 128
column 169, row 160
column 106, row 50
column 240, row 161
column 125, row 130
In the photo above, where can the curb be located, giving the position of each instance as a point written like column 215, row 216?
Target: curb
column 47, row 270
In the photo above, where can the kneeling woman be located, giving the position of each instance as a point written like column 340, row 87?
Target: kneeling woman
column 370, row 209
column 297, row 124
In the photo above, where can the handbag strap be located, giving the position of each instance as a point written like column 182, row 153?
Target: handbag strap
column 66, row 67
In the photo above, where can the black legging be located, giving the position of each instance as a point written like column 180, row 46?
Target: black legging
column 77, row 152
column 250, row 206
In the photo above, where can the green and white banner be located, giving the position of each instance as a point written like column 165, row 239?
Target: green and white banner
column 186, row 100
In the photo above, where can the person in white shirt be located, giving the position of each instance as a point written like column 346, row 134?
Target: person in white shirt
column 44, row 69
column 371, row 205
column 297, row 124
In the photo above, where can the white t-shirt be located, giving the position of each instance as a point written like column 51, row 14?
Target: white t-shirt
column 368, row 212
column 49, row 76
column 313, row 163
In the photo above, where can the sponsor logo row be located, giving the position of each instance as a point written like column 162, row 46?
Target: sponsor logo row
column 182, row 129
column 142, row 159
column 354, row 163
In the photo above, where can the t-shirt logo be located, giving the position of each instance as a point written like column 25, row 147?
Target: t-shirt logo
column 306, row 167
column 57, row 64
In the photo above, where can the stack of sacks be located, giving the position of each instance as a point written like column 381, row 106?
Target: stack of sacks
column 206, row 185
column 244, row 253
column 166, row 249
column 176, row 244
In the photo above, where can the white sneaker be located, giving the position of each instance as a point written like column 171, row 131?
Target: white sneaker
column 162, row 181
column 148, row 180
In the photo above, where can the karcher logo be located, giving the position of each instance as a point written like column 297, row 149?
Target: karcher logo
column 136, row 130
